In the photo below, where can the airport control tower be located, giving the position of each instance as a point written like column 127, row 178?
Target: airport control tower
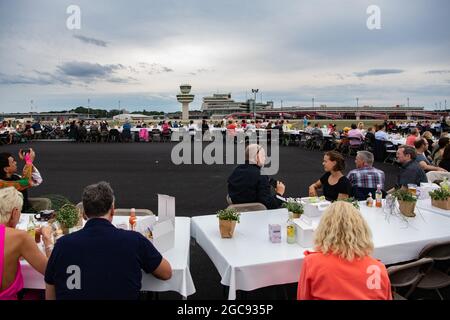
column 185, row 98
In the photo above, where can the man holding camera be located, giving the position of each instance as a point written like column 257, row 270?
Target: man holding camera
column 30, row 178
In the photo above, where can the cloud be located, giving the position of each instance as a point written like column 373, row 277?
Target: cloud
column 378, row 72
column 438, row 72
column 91, row 72
column 154, row 68
column 202, row 70
column 42, row 79
column 93, row 41
column 70, row 72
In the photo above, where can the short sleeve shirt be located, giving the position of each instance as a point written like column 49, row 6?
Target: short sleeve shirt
column 331, row 192
column 100, row 262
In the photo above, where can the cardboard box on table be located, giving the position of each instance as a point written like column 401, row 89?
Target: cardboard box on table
column 160, row 232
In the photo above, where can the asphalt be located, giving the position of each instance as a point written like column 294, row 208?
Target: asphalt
column 139, row 171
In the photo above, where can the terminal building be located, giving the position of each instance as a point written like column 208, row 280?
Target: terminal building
column 219, row 106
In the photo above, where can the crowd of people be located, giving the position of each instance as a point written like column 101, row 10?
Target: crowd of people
column 343, row 241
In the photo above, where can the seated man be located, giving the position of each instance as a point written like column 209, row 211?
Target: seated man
column 101, row 261
column 30, row 178
column 421, row 146
column 410, row 171
column 316, row 131
column 365, row 178
column 246, row 184
column 381, row 133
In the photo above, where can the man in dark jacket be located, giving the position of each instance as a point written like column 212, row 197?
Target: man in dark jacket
column 246, row 184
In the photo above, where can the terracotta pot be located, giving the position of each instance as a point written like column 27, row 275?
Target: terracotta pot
column 227, row 228
column 407, row 208
column 442, row 204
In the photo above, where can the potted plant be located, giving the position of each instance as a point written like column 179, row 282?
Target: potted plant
column 294, row 207
column 440, row 198
column 68, row 217
column 353, row 201
column 406, row 202
column 227, row 221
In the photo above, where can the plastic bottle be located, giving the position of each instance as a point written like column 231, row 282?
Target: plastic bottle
column 370, row 200
column 31, row 227
column 132, row 219
column 290, row 230
column 378, row 197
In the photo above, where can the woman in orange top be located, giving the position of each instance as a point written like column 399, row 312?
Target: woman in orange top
column 341, row 268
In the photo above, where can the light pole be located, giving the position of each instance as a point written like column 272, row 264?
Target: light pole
column 31, row 108
column 89, row 106
column 313, row 103
column 407, row 99
column 254, row 91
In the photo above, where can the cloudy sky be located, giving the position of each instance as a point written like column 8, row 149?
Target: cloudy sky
column 140, row 51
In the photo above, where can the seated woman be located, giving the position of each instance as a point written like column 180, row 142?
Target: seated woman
column 334, row 184
column 445, row 162
column 342, row 268
column 15, row 244
column 439, row 152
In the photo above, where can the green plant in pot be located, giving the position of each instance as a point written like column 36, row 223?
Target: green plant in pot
column 406, row 202
column 295, row 208
column 353, row 201
column 440, row 198
column 227, row 221
column 68, row 217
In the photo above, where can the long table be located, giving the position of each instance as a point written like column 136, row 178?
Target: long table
column 178, row 258
column 249, row 261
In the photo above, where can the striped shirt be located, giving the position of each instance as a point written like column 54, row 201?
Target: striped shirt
column 366, row 177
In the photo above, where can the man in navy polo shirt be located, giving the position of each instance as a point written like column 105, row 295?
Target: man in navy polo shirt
column 100, row 261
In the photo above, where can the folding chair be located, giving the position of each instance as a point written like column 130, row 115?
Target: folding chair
column 408, row 275
column 390, row 152
column 354, row 148
column 436, row 279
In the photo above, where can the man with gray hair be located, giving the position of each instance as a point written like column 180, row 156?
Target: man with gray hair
column 246, row 184
column 410, row 170
column 101, row 262
column 365, row 178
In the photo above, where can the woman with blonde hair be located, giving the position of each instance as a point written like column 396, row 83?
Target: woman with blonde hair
column 15, row 244
column 342, row 268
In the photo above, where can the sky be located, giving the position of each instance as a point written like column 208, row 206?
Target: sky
column 139, row 52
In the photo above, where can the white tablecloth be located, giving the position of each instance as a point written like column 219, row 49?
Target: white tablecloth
column 425, row 206
column 249, row 260
column 178, row 258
